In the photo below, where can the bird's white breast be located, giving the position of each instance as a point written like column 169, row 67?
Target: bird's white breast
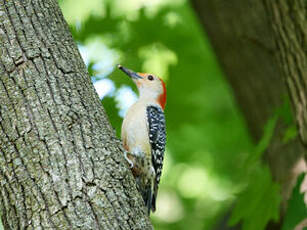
column 135, row 130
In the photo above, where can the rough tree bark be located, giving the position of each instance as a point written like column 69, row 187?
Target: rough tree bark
column 261, row 45
column 61, row 166
column 288, row 20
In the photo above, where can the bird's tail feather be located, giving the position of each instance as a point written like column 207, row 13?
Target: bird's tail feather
column 147, row 195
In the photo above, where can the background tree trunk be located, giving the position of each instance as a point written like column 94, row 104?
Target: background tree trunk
column 61, row 166
column 288, row 20
column 261, row 45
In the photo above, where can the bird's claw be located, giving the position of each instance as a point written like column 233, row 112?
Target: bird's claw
column 127, row 159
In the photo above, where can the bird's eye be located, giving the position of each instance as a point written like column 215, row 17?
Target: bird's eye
column 150, row 77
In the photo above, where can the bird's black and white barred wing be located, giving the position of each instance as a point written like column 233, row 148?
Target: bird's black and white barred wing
column 157, row 139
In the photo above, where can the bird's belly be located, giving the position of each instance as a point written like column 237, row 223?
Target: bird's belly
column 136, row 138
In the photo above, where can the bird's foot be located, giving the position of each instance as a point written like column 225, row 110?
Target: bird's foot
column 127, row 159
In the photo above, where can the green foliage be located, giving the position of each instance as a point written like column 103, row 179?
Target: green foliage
column 265, row 140
column 290, row 133
column 286, row 115
column 259, row 203
column 297, row 209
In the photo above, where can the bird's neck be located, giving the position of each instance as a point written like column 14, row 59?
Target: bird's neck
column 151, row 97
column 148, row 100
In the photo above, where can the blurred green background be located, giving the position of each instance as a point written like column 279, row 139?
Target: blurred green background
column 210, row 158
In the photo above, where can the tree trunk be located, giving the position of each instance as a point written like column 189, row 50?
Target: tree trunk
column 261, row 45
column 61, row 166
column 288, row 21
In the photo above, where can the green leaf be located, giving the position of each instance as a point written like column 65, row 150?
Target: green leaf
column 266, row 138
column 290, row 133
column 297, row 209
column 259, row 203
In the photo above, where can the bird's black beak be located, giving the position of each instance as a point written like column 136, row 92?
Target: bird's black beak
column 129, row 72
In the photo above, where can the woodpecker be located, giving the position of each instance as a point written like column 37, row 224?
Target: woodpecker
column 143, row 134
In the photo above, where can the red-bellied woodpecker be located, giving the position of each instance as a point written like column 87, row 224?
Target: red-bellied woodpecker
column 143, row 134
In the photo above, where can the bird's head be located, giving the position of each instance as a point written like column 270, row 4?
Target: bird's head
column 149, row 85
